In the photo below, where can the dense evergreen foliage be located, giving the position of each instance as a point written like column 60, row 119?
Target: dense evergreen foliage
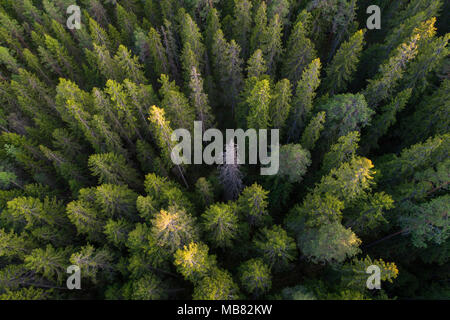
column 85, row 170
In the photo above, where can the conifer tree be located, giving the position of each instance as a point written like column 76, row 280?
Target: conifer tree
column 221, row 224
column 57, row 59
column 32, row 212
column 34, row 100
column 343, row 181
column 408, row 19
column 392, row 70
column 162, row 132
column 271, row 44
column 96, row 10
column 200, row 99
column 280, row 105
column 148, row 287
column 108, row 140
column 157, row 53
column 217, row 286
column 110, row 111
column 229, row 174
column 252, row 204
column 429, row 118
column 66, row 168
column 188, row 61
column 128, row 66
column 341, row 69
column 299, row 53
column 190, row 33
column 368, row 212
column 33, row 63
column 171, row 46
column 212, row 26
column 415, row 158
column 219, row 46
column 8, row 60
column 112, row 168
column 242, row 24
column 92, row 261
column 354, row 273
column 345, row 113
column 86, row 218
column 228, row 65
column 205, row 191
column 116, row 201
column 173, row 228
column 24, row 152
column 256, row 65
column 294, row 161
column 302, row 103
column 11, row 32
column 99, row 35
column 175, row 104
column 100, row 57
column 331, row 243
column 193, row 261
column 427, row 223
column 255, row 277
column 126, row 20
column 313, row 130
column 280, row 7
column 13, row 245
column 277, row 248
column 165, row 192
column 430, row 57
column 342, row 151
column 381, row 122
column 259, row 106
column 259, row 27
column 75, row 107
column 50, row 262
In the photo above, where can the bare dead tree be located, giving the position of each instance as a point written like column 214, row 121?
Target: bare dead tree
column 229, row 174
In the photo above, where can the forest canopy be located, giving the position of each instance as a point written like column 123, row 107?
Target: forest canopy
column 87, row 179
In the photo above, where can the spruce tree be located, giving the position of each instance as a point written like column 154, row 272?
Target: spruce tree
column 112, row 168
column 217, row 286
column 344, row 64
column 221, row 223
column 259, row 27
column 176, row 105
column 294, row 161
column 255, row 277
column 259, row 106
column 299, row 53
column 280, row 105
column 173, row 228
column 277, row 248
column 271, row 44
column 193, row 261
column 242, row 24
column 313, row 130
column 200, row 99
column 256, row 65
column 302, row 103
